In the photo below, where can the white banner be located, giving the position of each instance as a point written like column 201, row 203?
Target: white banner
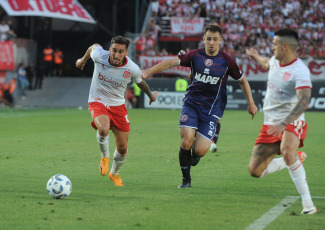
column 166, row 100
column 187, row 25
column 63, row 9
column 148, row 61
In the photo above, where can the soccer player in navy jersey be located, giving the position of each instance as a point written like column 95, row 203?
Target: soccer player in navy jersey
column 206, row 97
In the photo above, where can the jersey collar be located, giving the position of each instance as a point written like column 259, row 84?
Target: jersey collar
column 296, row 59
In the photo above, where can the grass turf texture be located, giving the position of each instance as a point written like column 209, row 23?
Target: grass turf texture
column 34, row 145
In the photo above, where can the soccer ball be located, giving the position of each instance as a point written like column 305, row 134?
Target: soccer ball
column 59, row 186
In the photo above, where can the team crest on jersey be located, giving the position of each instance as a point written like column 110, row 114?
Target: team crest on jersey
column 103, row 66
column 286, row 76
column 126, row 74
column 184, row 118
column 208, row 62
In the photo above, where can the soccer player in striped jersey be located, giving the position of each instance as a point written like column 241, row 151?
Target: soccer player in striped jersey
column 206, row 97
column 113, row 71
column 284, row 129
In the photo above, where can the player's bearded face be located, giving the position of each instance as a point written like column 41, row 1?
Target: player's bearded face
column 277, row 48
column 212, row 41
column 117, row 54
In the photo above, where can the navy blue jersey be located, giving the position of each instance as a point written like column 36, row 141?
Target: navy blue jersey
column 208, row 91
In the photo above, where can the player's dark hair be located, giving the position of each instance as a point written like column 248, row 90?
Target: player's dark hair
column 287, row 32
column 213, row 27
column 120, row 40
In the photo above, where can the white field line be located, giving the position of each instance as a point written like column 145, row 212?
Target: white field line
column 274, row 212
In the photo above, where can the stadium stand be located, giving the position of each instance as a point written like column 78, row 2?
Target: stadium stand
column 246, row 23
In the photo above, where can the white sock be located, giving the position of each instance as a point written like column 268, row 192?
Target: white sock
column 274, row 166
column 298, row 176
column 103, row 144
column 118, row 161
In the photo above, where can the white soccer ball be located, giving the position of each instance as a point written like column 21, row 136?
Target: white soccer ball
column 59, row 186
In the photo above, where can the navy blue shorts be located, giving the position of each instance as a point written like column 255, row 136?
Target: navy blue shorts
column 193, row 118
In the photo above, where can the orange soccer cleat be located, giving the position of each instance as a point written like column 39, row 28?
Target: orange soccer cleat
column 116, row 179
column 103, row 166
column 302, row 156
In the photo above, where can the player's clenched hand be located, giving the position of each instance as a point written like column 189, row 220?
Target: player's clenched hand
column 80, row 63
column 154, row 97
column 251, row 52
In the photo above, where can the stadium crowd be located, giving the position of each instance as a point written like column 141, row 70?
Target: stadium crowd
column 247, row 23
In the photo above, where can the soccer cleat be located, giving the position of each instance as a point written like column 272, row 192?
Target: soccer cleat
column 195, row 159
column 213, row 147
column 185, row 184
column 309, row 210
column 103, row 166
column 302, row 156
column 116, row 179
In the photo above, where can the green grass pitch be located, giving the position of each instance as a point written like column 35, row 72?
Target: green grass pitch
column 36, row 144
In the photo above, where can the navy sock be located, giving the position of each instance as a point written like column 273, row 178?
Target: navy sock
column 185, row 163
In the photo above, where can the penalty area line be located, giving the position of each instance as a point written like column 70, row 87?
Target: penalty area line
column 273, row 213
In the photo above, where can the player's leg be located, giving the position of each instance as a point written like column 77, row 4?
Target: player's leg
column 102, row 124
column 119, row 158
column 201, row 145
column 188, row 123
column 289, row 145
column 213, row 147
column 205, row 131
column 120, row 127
column 262, row 160
column 187, row 138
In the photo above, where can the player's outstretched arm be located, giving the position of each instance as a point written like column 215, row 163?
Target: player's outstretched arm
column 145, row 88
column 244, row 85
column 80, row 63
column 160, row 67
column 264, row 61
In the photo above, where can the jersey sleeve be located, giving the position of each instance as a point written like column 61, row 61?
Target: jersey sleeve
column 233, row 69
column 95, row 54
column 136, row 74
column 185, row 59
column 302, row 78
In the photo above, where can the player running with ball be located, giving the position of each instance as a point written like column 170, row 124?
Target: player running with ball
column 113, row 70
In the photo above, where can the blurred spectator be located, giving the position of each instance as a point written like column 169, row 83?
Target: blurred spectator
column 30, row 72
column 4, row 29
column 23, row 82
column 48, row 59
column 153, row 29
column 163, row 8
column 154, row 8
column 11, row 33
column 6, row 93
column 202, row 11
column 58, row 62
column 140, row 44
column 150, row 51
column 39, row 75
column 163, row 52
column 137, row 93
column 150, row 42
column 131, row 100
